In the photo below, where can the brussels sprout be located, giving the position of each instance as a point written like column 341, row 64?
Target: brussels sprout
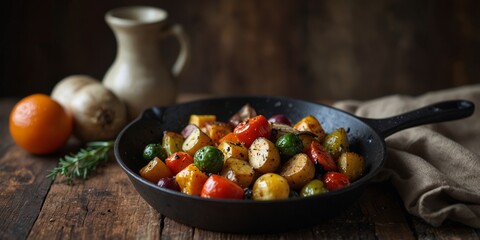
column 209, row 159
column 289, row 145
column 298, row 171
column 154, row 150
column 314, row 187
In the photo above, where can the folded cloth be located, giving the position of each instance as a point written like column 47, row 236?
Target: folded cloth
column 436, row 167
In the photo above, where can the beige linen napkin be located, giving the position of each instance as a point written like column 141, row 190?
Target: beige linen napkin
column 436, row 167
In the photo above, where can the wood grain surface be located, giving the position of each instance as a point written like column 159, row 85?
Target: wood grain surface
column 299, row 48
column 106, row 206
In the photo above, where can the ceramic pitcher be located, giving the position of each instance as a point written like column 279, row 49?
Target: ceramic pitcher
column 139, row 76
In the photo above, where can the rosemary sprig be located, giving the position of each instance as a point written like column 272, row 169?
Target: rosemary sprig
column 80, row 164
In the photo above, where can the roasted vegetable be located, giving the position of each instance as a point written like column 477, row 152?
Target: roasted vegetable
column 235, row 150
column 154, row 150
column 352, row 165
column 209, row 159
column 172, row 142
column 335, row 180
column 191, row 180
column 314, row 187
column 280, row 118
column 263, row 156
column 187, row 130
column 169, row 182
column 289, row 145
column 217, row 130
column 270, row 186
column 155, row 170
column 336, row 142
column 231, row 137
column 238, row 171
column 196, row 140
column 178, row 161
column 201, row 120
column 319, row 156
column 253, row 128
column 279, row 129
column 243, row 114
column 311, row 124
column 306, row 138
column 217, row 186
column 298, row 171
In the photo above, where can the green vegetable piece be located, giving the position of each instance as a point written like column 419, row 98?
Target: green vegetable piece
column 154, row 150
column 209, row 159
column 314, row 187
column 336, row 142
column 289, row 145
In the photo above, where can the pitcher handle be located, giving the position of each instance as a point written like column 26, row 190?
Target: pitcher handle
column 177, row 31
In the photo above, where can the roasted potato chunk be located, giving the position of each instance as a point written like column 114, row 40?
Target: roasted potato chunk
column 270, row 186
column 235, row 150
column 263, row 156
column 172, row 142
column 238, row 171
column 196, row 140
column 298, row 170
column 352, row 165
column 217, row 130
column 311, row 124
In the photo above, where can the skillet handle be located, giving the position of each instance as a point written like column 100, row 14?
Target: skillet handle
column 438, row 112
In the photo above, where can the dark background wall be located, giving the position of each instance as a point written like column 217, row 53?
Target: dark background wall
column 305, row 48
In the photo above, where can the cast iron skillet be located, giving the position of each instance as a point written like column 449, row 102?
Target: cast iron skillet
column 366, row 137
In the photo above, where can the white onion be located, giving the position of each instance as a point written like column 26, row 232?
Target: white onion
column 98, row 113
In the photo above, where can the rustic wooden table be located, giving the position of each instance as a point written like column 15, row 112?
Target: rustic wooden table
column 106, row 206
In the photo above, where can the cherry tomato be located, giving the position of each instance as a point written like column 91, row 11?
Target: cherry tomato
column 252, row 129
column 335, row 180
column 319, row 155
column 217, row 186
column 178, row 161
column 209, row 159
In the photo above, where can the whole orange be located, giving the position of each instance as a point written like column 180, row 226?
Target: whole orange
column 39, row 124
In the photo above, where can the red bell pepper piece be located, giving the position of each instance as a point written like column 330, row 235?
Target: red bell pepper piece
column 319, row 155
column 178, row 161
column 217, row 186
column 252, row 129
